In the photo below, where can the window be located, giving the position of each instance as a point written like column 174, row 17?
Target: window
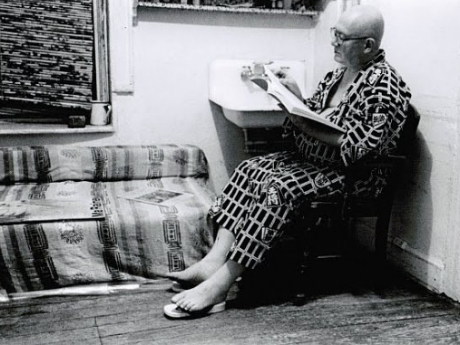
column 53, row 59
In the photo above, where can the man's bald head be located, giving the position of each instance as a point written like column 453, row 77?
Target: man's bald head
column 364, row 21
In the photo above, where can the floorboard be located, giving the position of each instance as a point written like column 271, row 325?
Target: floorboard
column 341, row 309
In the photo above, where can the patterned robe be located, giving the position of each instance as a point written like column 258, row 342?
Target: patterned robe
column 262, row 194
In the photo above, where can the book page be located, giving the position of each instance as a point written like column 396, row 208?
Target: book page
column 293, row 104
column 289, row 100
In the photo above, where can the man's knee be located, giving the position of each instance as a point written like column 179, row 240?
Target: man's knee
column 282, row 190
column 248, row 164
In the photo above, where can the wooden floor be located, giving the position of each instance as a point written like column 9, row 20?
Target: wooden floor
column 343, row 308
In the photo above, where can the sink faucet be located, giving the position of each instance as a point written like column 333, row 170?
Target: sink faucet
column 259, row 69
column 257, row 72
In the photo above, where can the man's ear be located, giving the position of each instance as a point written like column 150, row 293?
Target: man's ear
column 369, row 45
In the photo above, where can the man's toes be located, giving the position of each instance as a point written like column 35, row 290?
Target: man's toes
column 177, row 298
column 186, row 305
column 193, row 307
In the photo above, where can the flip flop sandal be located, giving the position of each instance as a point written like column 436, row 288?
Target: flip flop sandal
column 174, row 312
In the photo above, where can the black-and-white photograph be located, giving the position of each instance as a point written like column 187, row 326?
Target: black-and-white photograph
column 229, row 172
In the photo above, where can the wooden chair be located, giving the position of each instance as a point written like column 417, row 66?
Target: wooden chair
column 338, row 212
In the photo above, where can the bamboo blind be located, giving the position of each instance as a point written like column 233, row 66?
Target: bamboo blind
column 47, row 52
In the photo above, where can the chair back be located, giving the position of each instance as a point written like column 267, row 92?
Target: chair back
column 407, row 137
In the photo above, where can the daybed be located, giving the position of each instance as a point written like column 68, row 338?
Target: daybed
column 135, row 241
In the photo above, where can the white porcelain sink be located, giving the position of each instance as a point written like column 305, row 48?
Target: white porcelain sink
column 256, row 118
column 243, row 102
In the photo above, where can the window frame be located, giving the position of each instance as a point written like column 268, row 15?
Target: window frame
column 102, row 89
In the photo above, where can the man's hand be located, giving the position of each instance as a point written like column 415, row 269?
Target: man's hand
column 288, row 81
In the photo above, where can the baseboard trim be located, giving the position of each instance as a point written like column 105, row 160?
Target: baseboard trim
column 427, row 270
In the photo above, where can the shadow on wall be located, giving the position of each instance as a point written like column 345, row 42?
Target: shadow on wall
column 231, row 139
column 412, row 218
column 412, row 221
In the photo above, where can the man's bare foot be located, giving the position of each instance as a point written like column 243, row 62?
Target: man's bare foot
column 211, row 291
column 196, row 273
column 205, row 268
column 200, row 297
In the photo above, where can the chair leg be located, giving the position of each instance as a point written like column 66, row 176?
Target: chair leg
column 381, row 238
column 304, row 265
column 307, row 245
column 381, row 233
column 306, row 255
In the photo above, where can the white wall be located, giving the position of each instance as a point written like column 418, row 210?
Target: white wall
column 422, row 42
column 173, row 51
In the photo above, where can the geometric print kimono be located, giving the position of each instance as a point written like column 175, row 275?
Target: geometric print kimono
column 261, row 197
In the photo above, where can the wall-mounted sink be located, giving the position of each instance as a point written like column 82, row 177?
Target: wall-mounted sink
column 243, row 102
column 255, row 119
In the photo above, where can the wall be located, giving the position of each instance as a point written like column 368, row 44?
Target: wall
column 171, row 51
column 422, row 43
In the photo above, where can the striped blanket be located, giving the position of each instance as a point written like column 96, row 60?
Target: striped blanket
column 135, row 241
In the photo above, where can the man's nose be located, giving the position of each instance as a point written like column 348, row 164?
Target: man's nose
column 334, row 42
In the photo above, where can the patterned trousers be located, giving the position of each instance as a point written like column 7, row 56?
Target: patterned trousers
column 261, row 197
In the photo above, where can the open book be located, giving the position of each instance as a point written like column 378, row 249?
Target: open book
column 295, row 106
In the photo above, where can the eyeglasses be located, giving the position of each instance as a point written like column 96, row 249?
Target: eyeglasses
column 339, row 37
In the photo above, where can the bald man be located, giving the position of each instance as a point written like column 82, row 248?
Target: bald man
column 367, row 98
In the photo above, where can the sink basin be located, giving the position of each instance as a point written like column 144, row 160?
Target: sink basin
column 255, row 118
column 243, row 102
